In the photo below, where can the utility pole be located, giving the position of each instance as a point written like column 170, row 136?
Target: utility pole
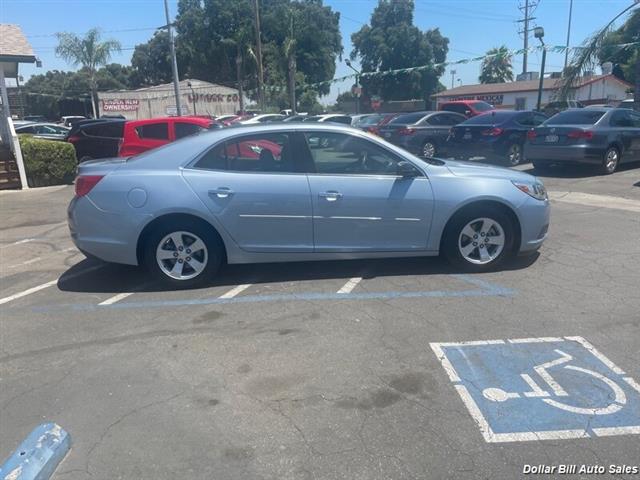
column 527, row 9
column 259, row 56
column 566, row 52
column 174, row 63
column 453, row 74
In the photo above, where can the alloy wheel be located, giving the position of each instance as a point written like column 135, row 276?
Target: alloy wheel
column 182, row 255
column 611, row 160
column 514, row 155
column 481, row 241
column 428, row 150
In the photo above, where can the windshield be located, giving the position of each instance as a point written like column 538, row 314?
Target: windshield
column 575, row 117
column 408, row 118
column 489, row 118
column 482, row 106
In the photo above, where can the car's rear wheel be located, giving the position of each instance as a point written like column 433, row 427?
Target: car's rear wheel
column 183, row 255
column 610, row 160
column 479, row 240
column 428, row 149
column 514, row 154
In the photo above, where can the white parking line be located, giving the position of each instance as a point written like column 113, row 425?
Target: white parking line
column 19, row 242
column 29, row 291
column 37, row 259
column 116, row 298
column 350, row 285
column 235, row 291
column 592, row 200
column 37, row 288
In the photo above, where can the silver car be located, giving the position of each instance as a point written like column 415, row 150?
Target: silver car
column 299, row 192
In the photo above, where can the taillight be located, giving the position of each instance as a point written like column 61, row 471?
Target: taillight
column 406, row 131
column 586, row 134
column 74, row 138
column 493, row 132
column 531, row 135
column 373, row 130
column 85, row 183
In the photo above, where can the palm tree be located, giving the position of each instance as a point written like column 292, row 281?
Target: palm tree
column 585, row 59
column 89, row 52
column 496, row 67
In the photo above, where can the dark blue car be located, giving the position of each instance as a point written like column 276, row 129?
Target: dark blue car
column 498, row 135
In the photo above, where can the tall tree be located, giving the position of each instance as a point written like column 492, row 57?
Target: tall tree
column 392, row 41
column 587, row 58
column 152, row 61
column 213, row 34
column 623, row 59
column 496, row 67
column 89, row 52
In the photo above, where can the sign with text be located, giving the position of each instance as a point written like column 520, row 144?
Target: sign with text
column 120, row 105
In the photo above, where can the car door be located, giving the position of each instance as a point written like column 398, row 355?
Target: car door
column 622, row 123
column 257, row 191
column 634, row 130
column 359, row 201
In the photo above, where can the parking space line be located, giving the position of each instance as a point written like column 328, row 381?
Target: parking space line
column 37, row 288
column 235, row 291
column 116, row 298
column 19, row 242
column 350, row 285
column 29, row 291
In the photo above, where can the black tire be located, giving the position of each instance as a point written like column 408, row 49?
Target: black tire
column 514, row 155
column 213, row 260
column 541, row 165
column 428, row 149
column 450, row 239
column 610, row 161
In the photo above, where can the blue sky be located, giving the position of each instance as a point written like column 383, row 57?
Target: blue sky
column 472, row 26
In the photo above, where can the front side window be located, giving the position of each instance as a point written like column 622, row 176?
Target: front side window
column 154, row 131
column 269, row 152
column 338, row 153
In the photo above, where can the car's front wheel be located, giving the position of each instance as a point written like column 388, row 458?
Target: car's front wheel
column 479, row 240
column 183, row 255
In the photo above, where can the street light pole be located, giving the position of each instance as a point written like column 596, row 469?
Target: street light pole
column 348, row 62
column 538, row 32
column 174, row 63
column 453, row 74
column 193, row 96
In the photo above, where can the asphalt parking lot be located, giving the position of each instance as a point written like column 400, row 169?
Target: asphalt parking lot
column 322, row 370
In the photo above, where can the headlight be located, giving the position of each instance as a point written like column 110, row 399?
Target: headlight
column 534, row 189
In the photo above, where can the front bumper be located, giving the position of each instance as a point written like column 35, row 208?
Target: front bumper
column 535, row 216
column 564, row 153
column 109, row 236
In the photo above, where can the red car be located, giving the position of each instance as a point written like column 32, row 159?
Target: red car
column 468, row 108
column 142, row 135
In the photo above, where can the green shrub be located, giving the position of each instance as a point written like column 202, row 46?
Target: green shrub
column 47, row 162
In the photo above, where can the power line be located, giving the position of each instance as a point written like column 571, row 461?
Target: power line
column 528, row 8
column 141, row 29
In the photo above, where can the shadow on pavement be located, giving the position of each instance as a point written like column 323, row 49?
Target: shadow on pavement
column 96, row 277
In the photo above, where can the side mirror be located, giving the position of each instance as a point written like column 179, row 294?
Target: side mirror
column 407, row 170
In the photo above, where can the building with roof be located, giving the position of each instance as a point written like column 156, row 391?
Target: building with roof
column 523, row 95
column 197, row 98
column 14, row 50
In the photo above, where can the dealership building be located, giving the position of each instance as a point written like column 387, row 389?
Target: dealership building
column 523, row 95
column 197, row 97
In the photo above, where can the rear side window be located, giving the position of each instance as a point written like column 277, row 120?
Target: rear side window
column 269, row 152
column 575, row 117
column 154, row 131
column 106, row 129
column 482, row 107
column 455, row 107
column 185, row 129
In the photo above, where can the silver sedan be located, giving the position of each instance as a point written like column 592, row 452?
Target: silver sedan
column 299, row 192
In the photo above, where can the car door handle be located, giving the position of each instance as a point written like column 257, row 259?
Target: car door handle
column 221, row 192
column 330, row 196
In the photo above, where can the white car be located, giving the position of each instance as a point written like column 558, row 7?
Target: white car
column 263, row 118
column 330, row 117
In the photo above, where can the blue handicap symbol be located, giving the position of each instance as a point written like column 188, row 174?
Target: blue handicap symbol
column 549, row 388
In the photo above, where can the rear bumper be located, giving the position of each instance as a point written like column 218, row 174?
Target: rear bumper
column 534, row 224
column 109, row 236
column 565, row 153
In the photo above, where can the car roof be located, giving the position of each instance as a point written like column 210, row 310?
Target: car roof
column 462, row 101
column 189, row 119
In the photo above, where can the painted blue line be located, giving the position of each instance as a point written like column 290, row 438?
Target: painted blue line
column 38, row 455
